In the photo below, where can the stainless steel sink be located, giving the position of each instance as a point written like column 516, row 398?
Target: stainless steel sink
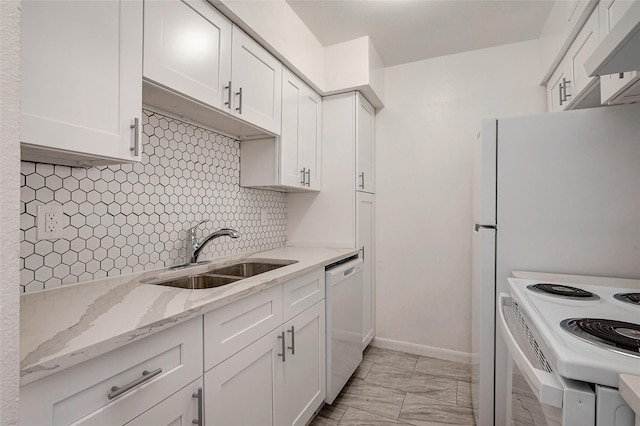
column 223, row 276
column 198, row 282
column 251, row 267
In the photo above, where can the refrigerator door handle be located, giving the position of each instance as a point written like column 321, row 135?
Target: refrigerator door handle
column 478, row 227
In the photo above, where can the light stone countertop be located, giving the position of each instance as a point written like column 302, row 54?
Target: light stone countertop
column 65, row 326
column 630, row 391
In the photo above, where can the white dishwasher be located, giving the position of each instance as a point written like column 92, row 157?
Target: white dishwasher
column 343, row 282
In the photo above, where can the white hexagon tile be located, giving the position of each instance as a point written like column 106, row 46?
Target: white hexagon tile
column 131, row 217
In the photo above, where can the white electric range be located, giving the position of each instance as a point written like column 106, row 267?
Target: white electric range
column 568, row 343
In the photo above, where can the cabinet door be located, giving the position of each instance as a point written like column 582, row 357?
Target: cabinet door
column 582, row 47
column 300, row 135
column 180, row 409
column 187, row 47
column 243, row 390
column 304, row 367
column 365, row 131
column 291, row 172
column 612, row 86
column 365, row 239
column 555, row 88
column 309, row 154
column 81, row 81
column 257, row 83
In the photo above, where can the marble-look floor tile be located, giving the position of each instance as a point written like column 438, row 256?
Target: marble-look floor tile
column 323, row 421
column 363, row 369
column 420, row 411
column 355, row 417
column 443, row 368
column 335, row 411
column 395, row 359
column 375, row 399
column 439, row 388
column 463, row 396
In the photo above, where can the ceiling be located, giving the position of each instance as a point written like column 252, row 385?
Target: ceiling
column 411, row 30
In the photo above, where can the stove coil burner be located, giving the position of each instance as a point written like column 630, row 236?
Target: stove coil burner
column 619, row 334
column 633, row 298
column 563, row 291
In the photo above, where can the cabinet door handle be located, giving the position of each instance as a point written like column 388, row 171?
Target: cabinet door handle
column 560, row 93
column 198, row 395
column 564, row 89
column 361, row 180
column 146, row 376
column 228, row 102
column 308, row 180
column 293, row 340
column 284, row 353
column 304, row 173
column 239, row 107
column 136, row 137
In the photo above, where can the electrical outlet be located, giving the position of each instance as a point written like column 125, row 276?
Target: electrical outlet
column 264, row 217
column 49, row 222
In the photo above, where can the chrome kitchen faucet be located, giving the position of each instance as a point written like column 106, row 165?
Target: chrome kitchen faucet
column 194, row 247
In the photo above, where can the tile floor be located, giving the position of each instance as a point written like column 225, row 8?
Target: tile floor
column 396, row 388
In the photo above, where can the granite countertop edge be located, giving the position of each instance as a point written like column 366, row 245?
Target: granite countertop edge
column 67, row 325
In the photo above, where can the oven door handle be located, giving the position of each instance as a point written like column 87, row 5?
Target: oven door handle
column 546, row 386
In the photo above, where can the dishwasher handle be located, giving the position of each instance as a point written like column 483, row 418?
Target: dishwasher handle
column 344, row 271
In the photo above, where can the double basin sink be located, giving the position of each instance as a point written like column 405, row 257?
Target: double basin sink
column 224, row 275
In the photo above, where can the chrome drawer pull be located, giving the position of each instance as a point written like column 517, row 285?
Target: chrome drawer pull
column 239, row 107
column 303, row 182
column 198, row 395
column 146, row 375
column 136, row 137
column 228, row 102
column 293, row 340
column 284, row 344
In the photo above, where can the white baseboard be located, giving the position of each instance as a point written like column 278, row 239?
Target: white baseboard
column 424, row 350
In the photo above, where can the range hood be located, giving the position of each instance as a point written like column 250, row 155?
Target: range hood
column 619, row 51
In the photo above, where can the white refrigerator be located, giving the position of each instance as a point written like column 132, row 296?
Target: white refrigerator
column 558, row 193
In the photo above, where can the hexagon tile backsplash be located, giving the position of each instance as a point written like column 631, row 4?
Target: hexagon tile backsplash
column 127, row 218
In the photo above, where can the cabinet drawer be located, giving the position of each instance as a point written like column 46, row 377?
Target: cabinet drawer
column 180, row 409
column 235, row 326
column 301, row 293
column 85, row 394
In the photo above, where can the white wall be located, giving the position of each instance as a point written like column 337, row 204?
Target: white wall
column 9, row 213
column 433, row 110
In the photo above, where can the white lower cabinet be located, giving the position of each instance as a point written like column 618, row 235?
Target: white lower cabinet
column 303, row 369
column 183, row 408
column 264, row 357
column 277, row 380
column 118, row 386
column 365, row 237
column 242, row 390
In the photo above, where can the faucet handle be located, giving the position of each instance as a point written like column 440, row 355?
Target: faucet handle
column 192, row 229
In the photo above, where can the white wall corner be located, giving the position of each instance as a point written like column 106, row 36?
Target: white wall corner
column 9, row 210
column 422, row 350
column 279, row 29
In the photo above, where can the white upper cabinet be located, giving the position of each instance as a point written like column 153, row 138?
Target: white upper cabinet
column 291, row 162
column 622, row 87
column 81, row 81
column 197, row 64
column 187, row 47
column 300, row 139
column 365, row 131
column 256, row 83
column 570, row 87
